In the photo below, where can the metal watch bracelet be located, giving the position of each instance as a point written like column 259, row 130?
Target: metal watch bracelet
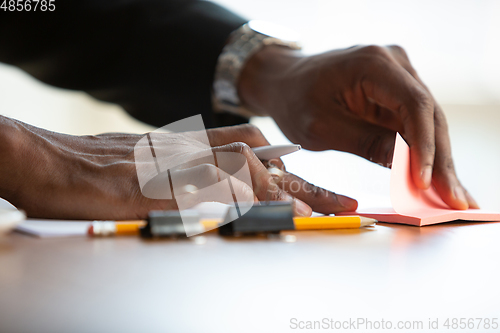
column 242, row 44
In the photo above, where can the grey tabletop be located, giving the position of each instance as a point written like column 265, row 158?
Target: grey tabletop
column 390, row 272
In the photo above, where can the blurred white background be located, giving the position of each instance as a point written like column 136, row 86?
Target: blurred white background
column 454, row 45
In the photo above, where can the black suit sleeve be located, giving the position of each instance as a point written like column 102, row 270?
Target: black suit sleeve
column 155, row 58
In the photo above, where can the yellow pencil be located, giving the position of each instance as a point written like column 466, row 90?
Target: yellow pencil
column 332, row 222
column 109, row 228
column 316, row 222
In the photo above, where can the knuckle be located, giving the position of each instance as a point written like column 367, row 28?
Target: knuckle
column 430, row 148
column 310, row 189
column 375, row 50
column 242, row 148
column 251, row 130
column 374, row 57
column 274, row 193
column 312, row 137
column 245, row 193
column 313, row 191
column 445, row 166
column 209, row 171
column 440, row 120
column 375, row 147
column 399, row 50
column 422, row 98
column 236, row 147
column 448, row 164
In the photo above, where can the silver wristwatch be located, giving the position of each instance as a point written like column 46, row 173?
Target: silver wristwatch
column 242, row 44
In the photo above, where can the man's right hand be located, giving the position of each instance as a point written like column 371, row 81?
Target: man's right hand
column 355, row 100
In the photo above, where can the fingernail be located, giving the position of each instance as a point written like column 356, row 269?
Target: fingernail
column 348, row 203
column 460, row 195
column 302, row 208
column 426, row 176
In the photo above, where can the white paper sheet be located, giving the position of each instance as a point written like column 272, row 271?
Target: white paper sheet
column 54, row 228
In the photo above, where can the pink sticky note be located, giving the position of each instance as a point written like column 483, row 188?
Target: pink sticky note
column 411, row 205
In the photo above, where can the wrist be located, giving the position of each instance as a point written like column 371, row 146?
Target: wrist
column 262, row 77
column 11, row 147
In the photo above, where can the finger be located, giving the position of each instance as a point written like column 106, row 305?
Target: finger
column 320, row 200
column 472, row 203
column 263, row 183
column 394, row 88
column 452, row 192
column 444, row 175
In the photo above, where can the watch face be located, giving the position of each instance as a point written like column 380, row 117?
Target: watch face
column 273, row 30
